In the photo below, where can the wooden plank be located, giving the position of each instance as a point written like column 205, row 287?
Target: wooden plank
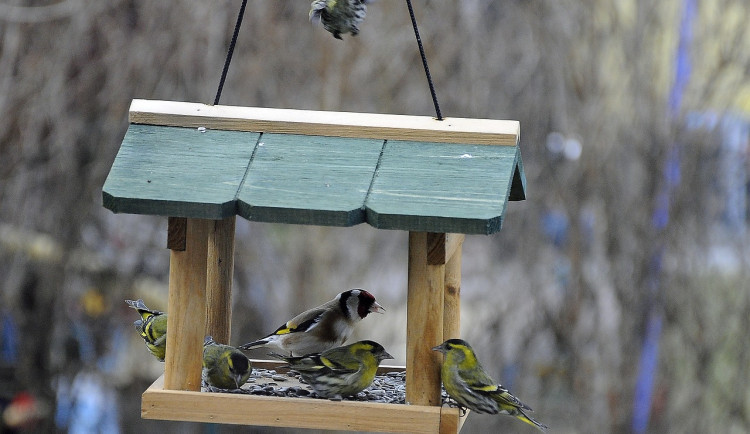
column 436, row 248
column 187, row 310
column 176, row 233
column 451, row 188
column 178, row 172
column 452, row 297
column 325, row 123
column 451, row 421
column 220, row 268
column 309, row 180
column 158, row 403
column 442, row 246
column 424, row 324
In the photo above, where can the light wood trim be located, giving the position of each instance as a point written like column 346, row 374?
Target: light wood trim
column 326, row 123
column 424, row 324
column 450, row 421
column 453, row 243
column 220, row 267
column 229, row 408
column 187, row 309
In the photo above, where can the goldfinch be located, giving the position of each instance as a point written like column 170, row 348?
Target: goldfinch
column 466, row 381
column 342, row 371
column 152, row 327
column 339, row 16
column 224, row 366
column 324, row 327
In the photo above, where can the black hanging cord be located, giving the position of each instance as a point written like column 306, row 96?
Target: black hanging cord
column 416, row 34
column 424, row 61
column 230, row 52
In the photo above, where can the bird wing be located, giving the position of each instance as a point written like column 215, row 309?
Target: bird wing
column 504, row 398
column 478, row 380
column 309, row 363
column 340, row 360
column 303, row 322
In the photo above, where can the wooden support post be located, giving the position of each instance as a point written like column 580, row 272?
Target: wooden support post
column 219, row 272
column 424, row 322
column 452, row 307
column 176, row 233
column 186, row 323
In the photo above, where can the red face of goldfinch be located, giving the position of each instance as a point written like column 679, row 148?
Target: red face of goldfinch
column 324, row 327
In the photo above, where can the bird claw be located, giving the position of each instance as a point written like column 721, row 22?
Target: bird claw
column 454, row 404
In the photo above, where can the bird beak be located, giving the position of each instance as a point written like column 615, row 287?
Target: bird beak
column 439, row 349
column 377, row 308
column 387, row 356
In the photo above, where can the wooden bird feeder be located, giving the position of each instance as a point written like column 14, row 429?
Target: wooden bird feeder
column 202, row 165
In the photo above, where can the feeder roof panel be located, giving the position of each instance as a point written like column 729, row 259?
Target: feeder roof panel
column 318, row 168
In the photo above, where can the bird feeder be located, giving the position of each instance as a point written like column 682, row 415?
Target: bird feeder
column 203, row 165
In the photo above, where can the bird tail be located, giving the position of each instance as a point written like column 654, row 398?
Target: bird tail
column 143, row 311
column 252, row 345
column 530, row 420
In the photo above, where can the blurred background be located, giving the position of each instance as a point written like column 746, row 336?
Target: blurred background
column 615, row 299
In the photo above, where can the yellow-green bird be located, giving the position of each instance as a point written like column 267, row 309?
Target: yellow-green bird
column 224, row 366
column 466, row 381
column 152, row 327
column 339, row 16
column 341, row 371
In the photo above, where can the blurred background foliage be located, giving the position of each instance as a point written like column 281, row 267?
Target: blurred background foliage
column 615, row 299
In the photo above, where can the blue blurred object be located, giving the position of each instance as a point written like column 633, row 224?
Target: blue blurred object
column 555, row 226
column 648, row 365
column 85, row 340
column 9, row 340
column 87, row 405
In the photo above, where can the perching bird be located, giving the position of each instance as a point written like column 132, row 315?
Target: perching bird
column 152, row 327
column 466, row 381
column 319, row 329
column 341, row 371
column 224, row 366
column 339, row 16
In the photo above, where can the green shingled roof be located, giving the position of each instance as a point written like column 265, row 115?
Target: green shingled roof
column 314, row 179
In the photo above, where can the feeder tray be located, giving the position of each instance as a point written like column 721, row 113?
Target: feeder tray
column 202, row 165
